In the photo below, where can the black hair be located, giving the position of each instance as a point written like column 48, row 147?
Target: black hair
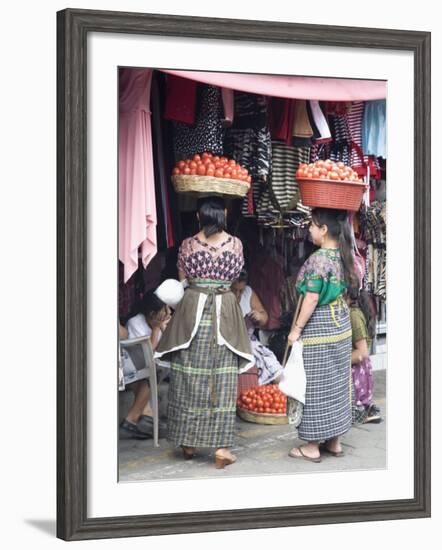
column 150, row 304
column 363, row 301
column 211, row 212
column 339, row 229
column 243, row 276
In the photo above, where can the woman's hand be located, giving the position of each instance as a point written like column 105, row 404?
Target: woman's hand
column 293, row 336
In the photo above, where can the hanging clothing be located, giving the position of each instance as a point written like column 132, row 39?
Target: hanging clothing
column 180, row 103
column 207, row 133
column 281, row 112
column 248, row 142
column 137, row 217
column 354, row 121
column 320, row 122
column 374, row 128
column 282, row 184
column 301, row 123
column 228, row 106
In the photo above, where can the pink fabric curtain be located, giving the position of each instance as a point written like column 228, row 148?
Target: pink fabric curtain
column 136, row 189
column 298, row 87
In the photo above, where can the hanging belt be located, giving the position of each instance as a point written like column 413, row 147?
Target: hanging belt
column 217, row 288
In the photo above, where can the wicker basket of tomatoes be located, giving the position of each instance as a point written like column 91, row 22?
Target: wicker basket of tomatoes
column 208, row 173
column 328, row 184
column 263, row 405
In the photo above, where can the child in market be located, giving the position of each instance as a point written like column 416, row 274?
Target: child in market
column 363, row 324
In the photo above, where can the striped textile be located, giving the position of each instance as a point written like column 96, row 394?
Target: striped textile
column 327, row 363
column 283, row 191
column 354, row 117
column 203, row 390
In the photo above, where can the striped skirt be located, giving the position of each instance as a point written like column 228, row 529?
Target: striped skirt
column 202, row 391
column 327, row 363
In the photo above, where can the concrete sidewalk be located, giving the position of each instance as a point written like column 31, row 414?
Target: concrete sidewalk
column 260, row 449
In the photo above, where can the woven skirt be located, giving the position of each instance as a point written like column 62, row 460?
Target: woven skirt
column 327, row 363
column 202, row 390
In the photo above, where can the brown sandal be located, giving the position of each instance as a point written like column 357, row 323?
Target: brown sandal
column 303, row 456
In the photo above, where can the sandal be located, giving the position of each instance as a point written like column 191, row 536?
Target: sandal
column 303, row 456
column 128, row 430
column 323, row 447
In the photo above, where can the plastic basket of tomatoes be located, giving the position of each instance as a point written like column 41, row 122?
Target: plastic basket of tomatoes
column 263, row 405
column 329, row 184
column 208, row 173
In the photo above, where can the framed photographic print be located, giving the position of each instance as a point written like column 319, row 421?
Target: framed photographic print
column 226, row 357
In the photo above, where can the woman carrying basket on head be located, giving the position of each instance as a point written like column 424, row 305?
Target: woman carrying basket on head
column 206, row 340
column 324, row 326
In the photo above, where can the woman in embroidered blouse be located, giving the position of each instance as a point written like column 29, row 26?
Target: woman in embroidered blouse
column 206, row 340
column 324, row 323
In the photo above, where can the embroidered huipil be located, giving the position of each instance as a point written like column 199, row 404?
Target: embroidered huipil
column 323, row 274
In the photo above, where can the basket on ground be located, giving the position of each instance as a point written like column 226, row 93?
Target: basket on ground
column 325, row 193
column 210, row 184
column 262, row 418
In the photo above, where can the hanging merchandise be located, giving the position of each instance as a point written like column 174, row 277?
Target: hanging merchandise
column 374, row 128
column 374, row 229
column 181, row 94
column 137, row 216
column 248, row 142
column 207, row 133
column 282, row 188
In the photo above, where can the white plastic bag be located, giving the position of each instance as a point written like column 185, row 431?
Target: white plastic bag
column 292, row 381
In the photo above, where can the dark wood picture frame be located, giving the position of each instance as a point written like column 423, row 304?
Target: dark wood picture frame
column 73, row 27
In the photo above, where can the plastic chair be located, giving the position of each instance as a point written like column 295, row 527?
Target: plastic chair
column 149, row 363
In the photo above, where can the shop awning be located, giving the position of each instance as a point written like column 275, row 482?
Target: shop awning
column 298, row 87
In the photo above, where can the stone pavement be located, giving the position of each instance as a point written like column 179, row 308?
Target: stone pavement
column 260, row 449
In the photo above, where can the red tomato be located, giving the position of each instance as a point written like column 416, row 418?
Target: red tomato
column 218, row 173
column 232, row 162
column 333, row 175
column 181, row 164
column 193, row 171
column 201, row 170
column 175, row 172
column 210, row 172
column 186, row 171
column 192, row 164
column 196, row 158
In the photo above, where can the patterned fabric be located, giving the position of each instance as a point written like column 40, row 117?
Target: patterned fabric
column 208, row 132
column 282, row 184
column 374, row 228
column 202, row 391
column 322, row 273
column 362, row 374
column 327, row 351
column 198, row 259
column 248, row 142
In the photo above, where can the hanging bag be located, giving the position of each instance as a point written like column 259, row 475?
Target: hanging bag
column 292, row 381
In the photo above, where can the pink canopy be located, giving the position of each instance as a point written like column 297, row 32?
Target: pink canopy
column 298, row 87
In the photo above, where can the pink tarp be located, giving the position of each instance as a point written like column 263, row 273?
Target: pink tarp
column 298, row 87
